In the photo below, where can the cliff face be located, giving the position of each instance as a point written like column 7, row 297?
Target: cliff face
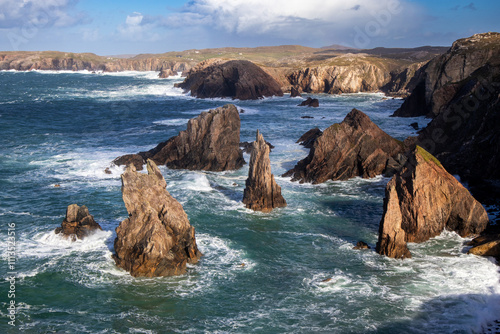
column 438, row 82
column 421, row 201
column 211, row 142
column 239, row 79
column 261, row 193
column 26, row 61
column 465, row 135
column 156, row 239
column 355, row 147
column 364, row 77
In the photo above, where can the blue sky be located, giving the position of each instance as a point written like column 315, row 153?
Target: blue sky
column 133, row 26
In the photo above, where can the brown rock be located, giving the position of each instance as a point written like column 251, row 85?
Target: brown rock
column 78, row 223
column 421, row 201
column 238, row 79
column 361, row 245
column 130, row 159
column 248, row 147
column 355, row 147
column 211, row 142
column 294, row 92
column 487, row 248
column 441, row 79
column 261, row 192
column 309, row 138
column 310, row 102
column 165, row 73
column 156, row 239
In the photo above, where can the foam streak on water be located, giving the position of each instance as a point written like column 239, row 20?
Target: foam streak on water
column 290, row 271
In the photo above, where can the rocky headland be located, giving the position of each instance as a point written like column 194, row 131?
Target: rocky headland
column 157, row 238
column 354, row 147
column 437, row 83
column 78, row 223
column 261, row 193
column 211, row 143
column 421, row 201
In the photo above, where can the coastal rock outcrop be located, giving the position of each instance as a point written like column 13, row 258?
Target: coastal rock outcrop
column 310, row 102
column 261, row 193
column 309, row 138
column 294, row 92
column 440, row 80
column 166, row 73
column 211, row 142
column 157, row 238
column 355, row 147
column 465, row 135
column 487, row 245
column 421, row 201
column 238, row 79
column 78, row 223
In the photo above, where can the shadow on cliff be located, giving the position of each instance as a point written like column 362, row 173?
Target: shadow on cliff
column 439, row 315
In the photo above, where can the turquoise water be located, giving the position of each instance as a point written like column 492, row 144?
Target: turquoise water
column 291, row 271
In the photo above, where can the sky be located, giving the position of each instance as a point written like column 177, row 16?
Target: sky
column 108, row 27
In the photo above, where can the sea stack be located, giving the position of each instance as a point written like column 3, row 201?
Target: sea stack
column 238, row 79
column 157, row 238
column 421, row 201
column 211, row 143
column 261, row 193
column 78, row 223
column 355, row 147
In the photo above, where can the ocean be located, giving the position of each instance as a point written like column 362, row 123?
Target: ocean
column 290, row 271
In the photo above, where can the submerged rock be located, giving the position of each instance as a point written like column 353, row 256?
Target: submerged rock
column 355, row 147
column 157, row 238
column 238, row 79
column 211, row 142
column 421, row 201
column 261, row 193
column 78, row 223
column 361, row 245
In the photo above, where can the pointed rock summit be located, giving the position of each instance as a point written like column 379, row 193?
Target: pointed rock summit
column 78, row 223
column 211, row 142
column 262, row 193
column 355, row 147
column 156, row 239
column 421, row 201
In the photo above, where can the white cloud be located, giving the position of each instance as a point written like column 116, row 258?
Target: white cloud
column 138, row 27
column 295, row 19
column 40, row 13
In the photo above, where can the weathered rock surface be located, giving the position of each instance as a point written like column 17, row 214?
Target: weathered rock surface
column 294, row 92
column 361, row 245
column 421, row 201
column 238, row 79
column 487, row 245
column 309, row 138
column 78, row 223
column 355, row 147
column 261, row 193
column 211, row 142
column 310, row 102
column 166, row 73
column 465, row 135
column 130, row 159
column 248, row 147
column 438, row 81
column 157, row 238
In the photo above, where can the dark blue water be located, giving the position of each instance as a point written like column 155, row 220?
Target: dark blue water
column 291, row 271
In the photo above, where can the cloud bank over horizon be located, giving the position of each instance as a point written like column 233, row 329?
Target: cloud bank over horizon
column 131, row 26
